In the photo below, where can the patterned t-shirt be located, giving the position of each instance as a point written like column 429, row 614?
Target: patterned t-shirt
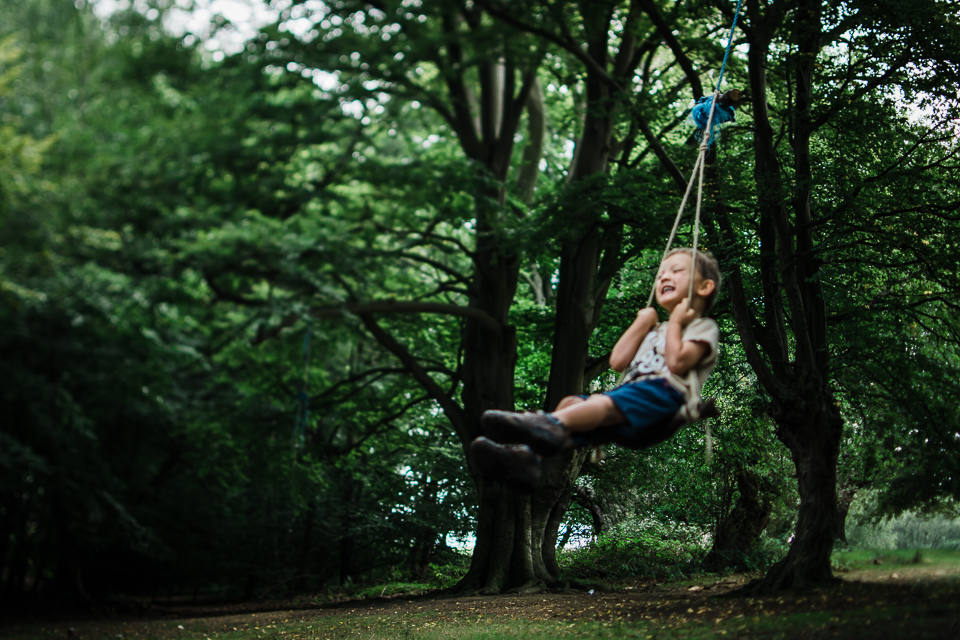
column 650, row 362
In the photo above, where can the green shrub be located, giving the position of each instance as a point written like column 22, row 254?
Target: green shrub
column 447, row 575
column 906, row 531
column 639, row 548
column 768, row 550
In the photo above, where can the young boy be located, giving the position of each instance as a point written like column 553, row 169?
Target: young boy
column 666, row 365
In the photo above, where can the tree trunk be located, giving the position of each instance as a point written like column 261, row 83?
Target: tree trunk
column 346, row 558
column 515, row 534
column 585, row 497
column 811, row 430
column 588, row 261
column 585, row 274
column 306, row 548
column 806, row 413
column 845, row 497
column 421, row 553
column 739, row 528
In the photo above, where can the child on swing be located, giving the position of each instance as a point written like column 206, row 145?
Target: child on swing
column 666, row 364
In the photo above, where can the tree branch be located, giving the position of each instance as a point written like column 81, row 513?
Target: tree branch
column 660, row 152
column 567, row 44
column 843, row 101
column 596, row 366
column 436, row 264
column 675, row 47
column 397, row 306
column 451, row 409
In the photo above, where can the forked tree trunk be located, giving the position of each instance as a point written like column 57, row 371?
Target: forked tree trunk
column 588, row 261
column 845, row 496
column 517, row 535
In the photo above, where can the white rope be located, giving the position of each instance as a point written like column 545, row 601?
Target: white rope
column 697, row 166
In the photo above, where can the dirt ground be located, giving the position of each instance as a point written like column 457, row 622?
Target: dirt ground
column 895, row 594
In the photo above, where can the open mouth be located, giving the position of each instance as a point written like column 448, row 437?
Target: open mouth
column 667, row 289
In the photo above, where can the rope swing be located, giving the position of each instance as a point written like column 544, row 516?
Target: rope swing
column 709, row 112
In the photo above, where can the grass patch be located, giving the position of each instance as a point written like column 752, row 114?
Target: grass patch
column 926, row 605
column 392, row 589
column 886, row 621
column 883, row 558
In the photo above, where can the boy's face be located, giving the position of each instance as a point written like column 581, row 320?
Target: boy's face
column 673, row 281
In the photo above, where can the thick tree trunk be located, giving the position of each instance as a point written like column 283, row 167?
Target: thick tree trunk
column 587, row 253
column 500, row 559
column 811, row 430
column 516, row 535
column 573, row 323
column 805, row 411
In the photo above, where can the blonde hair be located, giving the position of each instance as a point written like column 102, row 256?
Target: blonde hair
column 707, row 268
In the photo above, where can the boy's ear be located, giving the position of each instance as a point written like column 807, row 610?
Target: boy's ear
column 706, row 288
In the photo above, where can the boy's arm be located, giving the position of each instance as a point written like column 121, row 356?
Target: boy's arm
column 626, row 347
column 680, row 355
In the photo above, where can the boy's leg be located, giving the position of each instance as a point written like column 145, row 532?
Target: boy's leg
column 595, row 411
column 546, row 437
column 569, row 401
column 546, row 434
column 646, row 407
column 572, row 443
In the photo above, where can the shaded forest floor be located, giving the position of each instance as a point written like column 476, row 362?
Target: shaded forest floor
column 871, row 601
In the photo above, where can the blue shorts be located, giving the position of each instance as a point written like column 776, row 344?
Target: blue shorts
column 647, row 405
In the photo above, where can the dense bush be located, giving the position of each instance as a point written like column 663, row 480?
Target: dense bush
column 639, row 548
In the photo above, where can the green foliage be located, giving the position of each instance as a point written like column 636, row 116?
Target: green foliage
column 149, row 443
column 173, row 226
column 639, row 548
column 868, row 529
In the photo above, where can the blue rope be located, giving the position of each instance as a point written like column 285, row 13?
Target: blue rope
column 736, row 14
column 722, row 114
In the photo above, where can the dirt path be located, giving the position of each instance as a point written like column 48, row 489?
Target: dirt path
column 930, row 593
